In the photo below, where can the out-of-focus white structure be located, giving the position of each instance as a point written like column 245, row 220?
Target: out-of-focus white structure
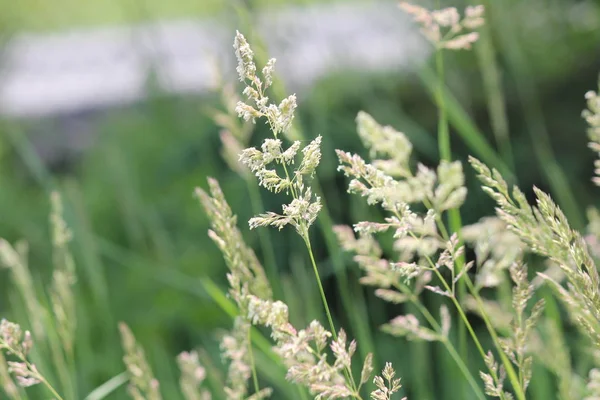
column 69, row 72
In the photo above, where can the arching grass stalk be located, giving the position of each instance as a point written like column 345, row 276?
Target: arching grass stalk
column 512, row 375
column 306, row 239
column 444, row 340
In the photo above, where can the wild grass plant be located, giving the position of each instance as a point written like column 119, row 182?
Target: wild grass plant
column 481, row 275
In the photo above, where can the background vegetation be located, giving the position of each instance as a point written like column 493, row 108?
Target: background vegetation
column 140, row 244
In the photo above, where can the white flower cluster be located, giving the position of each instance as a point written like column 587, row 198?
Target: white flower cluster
column 304, row 207
column 279, row 117
column 389, row 181
column 386, row 390
column 304, row 352
column 270, row 164
column 494, row 381
column 592, row 117
column 18, row 343
column 445, row 28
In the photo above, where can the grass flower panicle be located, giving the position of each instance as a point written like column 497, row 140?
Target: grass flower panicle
column 444, row 28
column 592, row 117
column 142, row 383
column 303, row 351
column 18, row 343
column 246, row 278
column 279, row 117
column 192, row 376
column 386, row 384
column 546, row 231
column 494, row 382
column 64, row 277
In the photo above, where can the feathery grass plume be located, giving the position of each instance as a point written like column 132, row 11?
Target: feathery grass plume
column 546, row 231
column 304, row 207
column 496, row 249
column 142, row 384
column 423, row 244
column 246, row 277
column 192, row 376
column 494, row 382
column 236, row 349
column 61, row 293
column 385, row 390
column 415, row 236
column 389, row 180
column 517, row 346
column 592, row 117
column 279, row 117
column 304, row 352
column 445, row 28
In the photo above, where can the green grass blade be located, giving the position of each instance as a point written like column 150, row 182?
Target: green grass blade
column 486, row 58
column 108, row 387
column 518, row 67
column 464, row 125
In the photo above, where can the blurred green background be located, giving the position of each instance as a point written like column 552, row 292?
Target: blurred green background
column 140, row 245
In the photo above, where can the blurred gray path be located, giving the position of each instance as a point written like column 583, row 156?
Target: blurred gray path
column 69, row 72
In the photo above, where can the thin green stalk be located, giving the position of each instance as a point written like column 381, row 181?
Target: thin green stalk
column 534, row 117
column 443, row 128
column 252, row 364
column 505, row 361
column 30, row 367
column 449, row 346
column 453, row 214
column 485, row 53
column 49, row 387
column 464, row 126
column 321, row 291
column 463, row 368
column 512, row 376
column 348, row 373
